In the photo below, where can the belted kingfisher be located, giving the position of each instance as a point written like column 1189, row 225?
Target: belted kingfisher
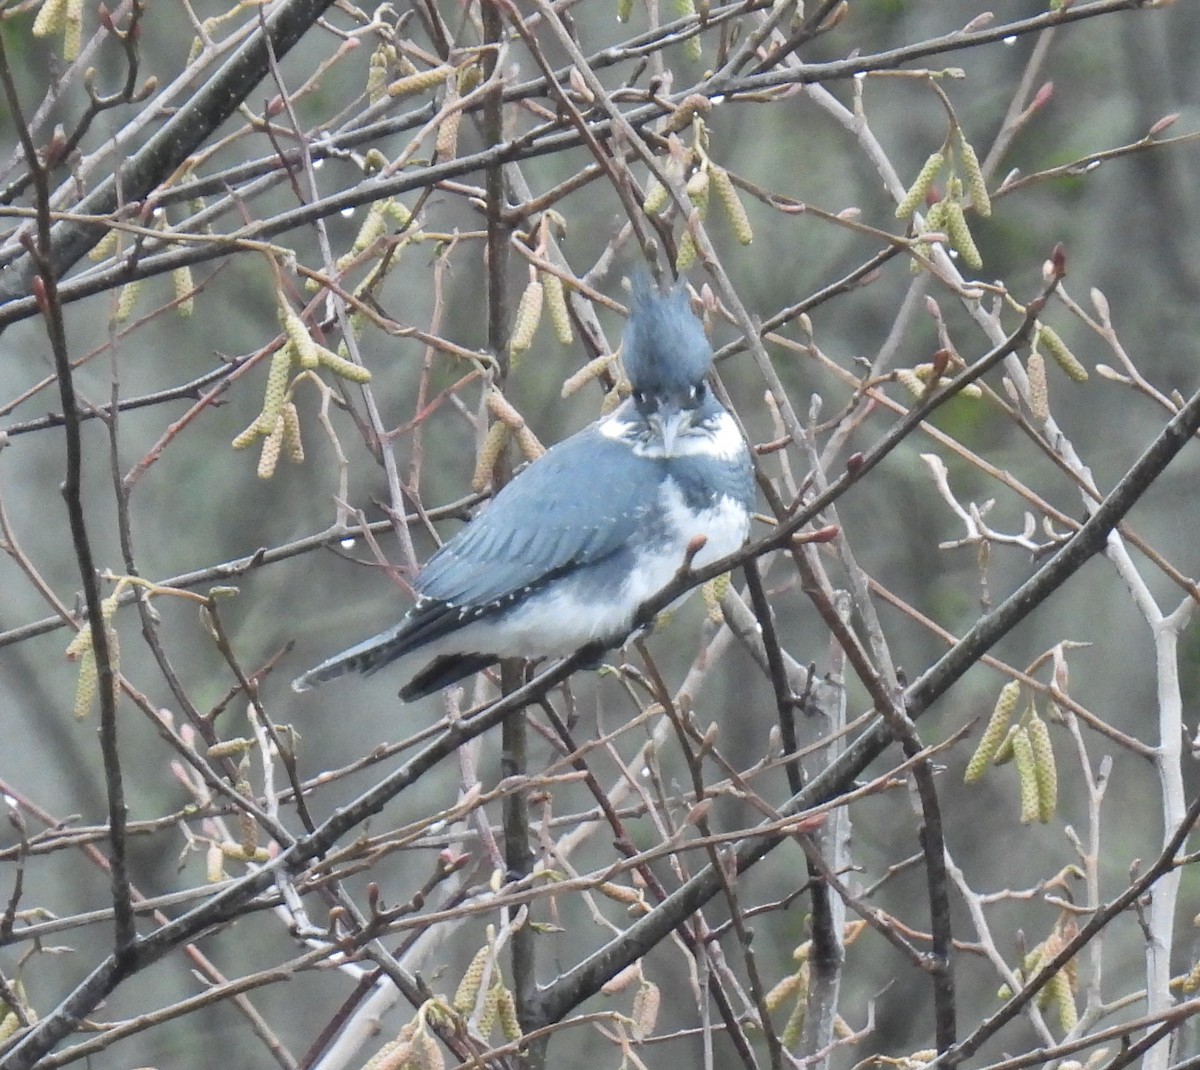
column 568, row 551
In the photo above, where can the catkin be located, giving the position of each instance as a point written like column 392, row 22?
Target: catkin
column 973, row 178
column 1039, row 402
column 411, row 84
column 104, row 248
column 468, row 988
column 527, row 318
column 994, row 732
column 127, row 299
column 87, row 684
column 556, row 305
column 494, row 441
column 691, row 47
column 915, row 194
column 1062, row 999
column 1063, row 357
column 277, row 381
column 181, row 279
column 732, row 205
column 51, row 18
column 1044, row 767
column 72, row 30
column 686, row 255
column 783, row 991
column 960, row 234
column 1027, row 774
column 646, row 1003
column 291, row 433
column 506, row 1012
column 341, row 367
column 271, row 447
column 303, row 343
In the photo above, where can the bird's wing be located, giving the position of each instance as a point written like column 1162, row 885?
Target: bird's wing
column 566, row 508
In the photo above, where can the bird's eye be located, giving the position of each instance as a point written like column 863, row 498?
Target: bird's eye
column 696, row 393
column 639, row 398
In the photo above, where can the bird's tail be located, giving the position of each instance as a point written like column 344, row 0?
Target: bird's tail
column 364, row 657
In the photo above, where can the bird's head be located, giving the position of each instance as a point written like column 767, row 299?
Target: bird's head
column 667, row 358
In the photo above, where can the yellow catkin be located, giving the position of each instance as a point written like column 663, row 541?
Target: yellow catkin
column 377, row 73
column 127, row 299
column 657, row 198
column 245, row 439
column 924, row 372
column 556, row 306
column 1039, row 398
column 374, row 226
column 291, row 433
column 686, row 256
column 935, row 218
column 427, row 1052
column 783, row 991
column 691, row 47
column 467, row 991
column 411, row 84
column 593, row 369
column 399, row 212
column 529, row 444
column 646, row 1002
column 214, row 864
column 1004, row 753
column 1027, row 774
column 341, row 367
column 911, row 381
column 527, row 318
column 394, row 1055
column 72, row 30
column 501, row 408
column 1191, row 983
column 104, row 248
column 1044, row 767
column 915, row 195
column 487, row 1013
column 51, row 18
column 1063, row 357
column 994, row 732
column 304, row 345
column 1062, row 999
column 698, row 187
column 732, row 205
column 247, row 825
column 87, row 684
column 494, row 441
column 9, row 1024
column 506, row 1013
column 446, row 141
column 714, row 592
column 624, row 10
column 276, row 391
column 181, row 279
column 973, row 177
column 272, row 445
column 960, row 234
column 794, row 1029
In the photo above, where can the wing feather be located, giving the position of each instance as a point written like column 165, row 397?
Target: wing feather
column 545, row 520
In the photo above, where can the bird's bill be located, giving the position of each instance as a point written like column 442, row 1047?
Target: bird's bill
column 669, row 421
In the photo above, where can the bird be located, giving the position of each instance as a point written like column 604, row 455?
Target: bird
column 568, row 551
